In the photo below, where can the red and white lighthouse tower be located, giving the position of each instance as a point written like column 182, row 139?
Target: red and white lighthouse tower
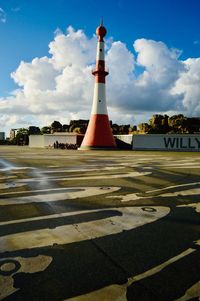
column 99, row 134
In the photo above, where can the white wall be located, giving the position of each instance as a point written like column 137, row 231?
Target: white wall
column 49, row 139
column 171, row 142
column 36, row 141
column 125, row 138
column 174, row 142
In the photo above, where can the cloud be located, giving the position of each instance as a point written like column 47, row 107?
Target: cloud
column 2, row 15
column 150, row 91
column 72, row 48
column 188, row 84
column 150, row 79
column 160, row 62
column 196, row 42
column 59, row 87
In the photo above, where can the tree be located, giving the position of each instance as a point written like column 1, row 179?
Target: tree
column 65, row 128
column 115, row 129
column 56, row 126
column 34, row 130
column 21, row 137
column 46, row 130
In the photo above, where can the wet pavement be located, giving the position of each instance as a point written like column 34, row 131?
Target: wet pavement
column 99, row 226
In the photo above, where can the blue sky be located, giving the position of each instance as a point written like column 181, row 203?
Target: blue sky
column 30, row 26
column 27, row 27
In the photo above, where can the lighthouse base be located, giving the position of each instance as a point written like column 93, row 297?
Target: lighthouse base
column 99, row 134
column 84, row 148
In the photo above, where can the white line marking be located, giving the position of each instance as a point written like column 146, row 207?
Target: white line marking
column 131, row 217
column 192, row 292
column 195, row 191
column 174, row 186
column 193, row 205
column 93, row 177
column 28, row 265
column 52, row 197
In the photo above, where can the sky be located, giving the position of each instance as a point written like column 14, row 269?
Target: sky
column 48, row 48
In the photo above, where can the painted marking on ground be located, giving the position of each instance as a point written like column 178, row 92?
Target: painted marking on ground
column 81, row 192
column 131, row 217
column 20, row 265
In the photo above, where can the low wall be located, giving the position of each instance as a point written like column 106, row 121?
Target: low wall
column 48, row 140
column 125, row 138
column 162, row 142
column 36, row 141
column 124, row 141
column 180, row 142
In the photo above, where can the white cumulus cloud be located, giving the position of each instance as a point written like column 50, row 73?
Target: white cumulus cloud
column 149, row 79
column 188, row 84
column 73, row 48
column 150, row 90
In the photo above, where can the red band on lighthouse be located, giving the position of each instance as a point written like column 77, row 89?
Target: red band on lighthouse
column 99, row 133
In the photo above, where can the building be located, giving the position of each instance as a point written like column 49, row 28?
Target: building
column 2, row 136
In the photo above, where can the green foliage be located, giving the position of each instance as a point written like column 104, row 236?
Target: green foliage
column 56, row 126
column 21, row 137
column 34, row 130
column 46, row 130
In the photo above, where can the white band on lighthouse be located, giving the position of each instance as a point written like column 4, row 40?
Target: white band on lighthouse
column 99, row 99
column 100, row 51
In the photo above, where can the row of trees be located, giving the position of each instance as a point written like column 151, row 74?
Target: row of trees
column 158, row 124
column 80, row 126
column 176, row 124
column 21, row 136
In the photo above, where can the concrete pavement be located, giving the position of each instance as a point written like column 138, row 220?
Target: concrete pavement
column 117, row 225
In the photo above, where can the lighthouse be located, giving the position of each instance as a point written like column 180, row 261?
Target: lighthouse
column 99, row 133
